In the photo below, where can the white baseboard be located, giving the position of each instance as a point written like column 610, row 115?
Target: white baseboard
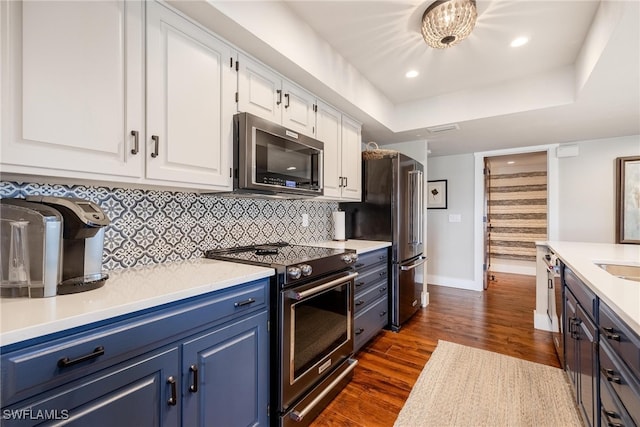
column 514, row 269
column 541, row 321
column 453, row 282
column 425, row 299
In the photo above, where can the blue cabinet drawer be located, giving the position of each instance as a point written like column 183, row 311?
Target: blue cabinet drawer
column 363, row 299
column 370, row 322
column 586, row 298
column 612, row 412
column 366, row 260
column 133, row 393
column 622, row 381
column 370, row 277
column 67, row 357
column 621, row 339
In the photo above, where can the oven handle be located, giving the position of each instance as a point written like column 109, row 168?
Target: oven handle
column 304, row 294
column 297, row 416
column 412, row 266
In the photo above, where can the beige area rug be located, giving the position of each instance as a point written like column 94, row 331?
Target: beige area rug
column 464, row 386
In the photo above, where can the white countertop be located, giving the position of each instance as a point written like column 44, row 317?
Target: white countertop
column 126, row 291
column 621, row 295
column 360, row 246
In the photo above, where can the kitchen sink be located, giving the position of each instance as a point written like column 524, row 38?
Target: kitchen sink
column 629, row 271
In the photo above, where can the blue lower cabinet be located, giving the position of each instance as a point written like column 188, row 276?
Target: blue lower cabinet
column 203, row 361
column 132, row 393
column 225, row 375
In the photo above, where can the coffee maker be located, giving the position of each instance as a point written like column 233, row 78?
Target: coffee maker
column 44, row 242
column 82, row 242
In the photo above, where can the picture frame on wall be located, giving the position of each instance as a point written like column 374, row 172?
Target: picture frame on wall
column 437, row 194
column 628, row 200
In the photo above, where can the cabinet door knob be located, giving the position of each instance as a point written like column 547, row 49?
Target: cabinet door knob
column 193, row 388
column 173, row 400
column 156, row 145
column 136, row 142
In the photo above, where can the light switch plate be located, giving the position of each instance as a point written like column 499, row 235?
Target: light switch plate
column 455, row 218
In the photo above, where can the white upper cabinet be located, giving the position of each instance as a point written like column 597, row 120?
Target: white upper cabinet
column 72, row 85
column 266, row 94
column 298, row 109
column 329, row 131
column 74, row 95
column 342, row 154
column 351, row 159
column 190, row 102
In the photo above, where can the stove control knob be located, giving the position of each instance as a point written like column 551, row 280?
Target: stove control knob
column 294, row 272
column 306, row 269
column 349, row 258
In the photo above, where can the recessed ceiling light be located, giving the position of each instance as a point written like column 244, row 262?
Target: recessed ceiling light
column 411, row 74
column 519, row 41
column 510, row 162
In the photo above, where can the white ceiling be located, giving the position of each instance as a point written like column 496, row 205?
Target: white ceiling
column 577, row 79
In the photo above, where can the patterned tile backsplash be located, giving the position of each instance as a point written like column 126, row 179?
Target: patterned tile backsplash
column 150, row 227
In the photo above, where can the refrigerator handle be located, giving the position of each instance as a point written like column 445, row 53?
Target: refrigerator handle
column 420, row 261
column 415, row 200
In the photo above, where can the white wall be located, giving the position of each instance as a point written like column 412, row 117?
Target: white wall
column 585, row 206
column 450, row 245
column 588, row 189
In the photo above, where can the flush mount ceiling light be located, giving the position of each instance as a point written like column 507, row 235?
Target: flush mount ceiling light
column 446, row 23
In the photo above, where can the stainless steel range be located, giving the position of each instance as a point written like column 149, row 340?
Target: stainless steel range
column 312, row 311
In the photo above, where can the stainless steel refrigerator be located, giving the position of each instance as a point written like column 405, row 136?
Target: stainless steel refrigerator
column 392, row 210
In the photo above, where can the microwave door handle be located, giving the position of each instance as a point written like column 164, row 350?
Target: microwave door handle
column 310, row 292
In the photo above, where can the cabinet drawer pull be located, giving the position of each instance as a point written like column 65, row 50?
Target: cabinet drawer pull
column 358, row 265
column 609, row 333
column 359, row 331
column 359, row 302
column 156, row 145
column 136, row 143
column 382, row 289
column 611, row 414
column 173, row 400
column 194, row 387
column 610, row 375
column 383, row 313
column 359, row 284
column 245, row 302
column 382, row 273
column 66, row 362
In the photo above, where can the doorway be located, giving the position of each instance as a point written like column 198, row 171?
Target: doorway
column 516, row 212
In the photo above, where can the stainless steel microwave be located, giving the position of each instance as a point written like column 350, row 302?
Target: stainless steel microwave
column 271, row 160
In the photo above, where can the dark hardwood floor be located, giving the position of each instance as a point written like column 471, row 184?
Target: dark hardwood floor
column 499, row 319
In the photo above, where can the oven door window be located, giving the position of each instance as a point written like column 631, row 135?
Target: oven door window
column 320, row 324
column 284, row 163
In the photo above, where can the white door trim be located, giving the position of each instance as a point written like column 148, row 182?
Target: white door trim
column 552, row 200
